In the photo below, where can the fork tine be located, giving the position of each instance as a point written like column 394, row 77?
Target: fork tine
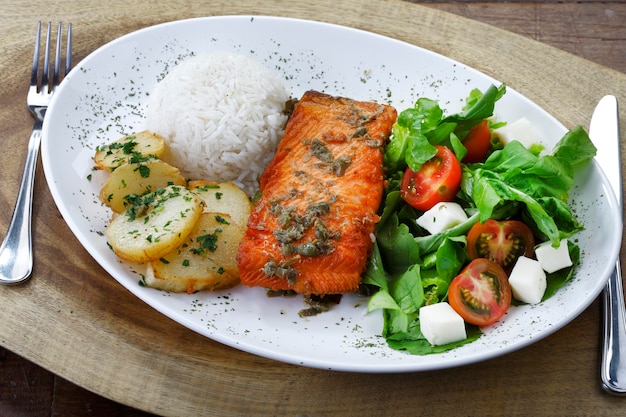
column 34, row 71
column 46, row 61
column 68, row 52
column 57, row 58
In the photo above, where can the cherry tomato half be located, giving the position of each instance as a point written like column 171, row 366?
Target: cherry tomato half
column 480, row 293
column 437, row 180
column 500, row 241
column 477, row 142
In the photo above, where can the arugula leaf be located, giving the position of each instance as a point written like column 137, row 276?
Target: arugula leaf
column 478, row 107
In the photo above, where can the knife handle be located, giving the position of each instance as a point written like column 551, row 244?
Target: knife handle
column 613, row 372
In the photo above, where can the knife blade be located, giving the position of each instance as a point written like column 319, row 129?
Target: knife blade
column 604, row 132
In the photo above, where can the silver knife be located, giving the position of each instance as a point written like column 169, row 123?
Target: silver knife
column 604, row 132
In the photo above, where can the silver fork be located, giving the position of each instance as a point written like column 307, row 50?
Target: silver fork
column 16, row 251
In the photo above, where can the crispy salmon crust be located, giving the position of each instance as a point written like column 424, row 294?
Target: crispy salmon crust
column 312, row 229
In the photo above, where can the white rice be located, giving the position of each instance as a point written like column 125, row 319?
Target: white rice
column 222, row 117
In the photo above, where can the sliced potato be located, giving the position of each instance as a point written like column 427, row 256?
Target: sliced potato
column 224, row 252
column 205, row 261
column 137, row 179
column 122, row 151
column 155, row 225
column 224, row 198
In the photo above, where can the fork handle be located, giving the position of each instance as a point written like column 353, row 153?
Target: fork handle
column 614, row 337
column 16, row 251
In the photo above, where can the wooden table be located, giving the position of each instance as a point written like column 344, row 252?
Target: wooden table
column 74, row 342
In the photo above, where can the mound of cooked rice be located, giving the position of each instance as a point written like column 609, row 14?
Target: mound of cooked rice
column 222, row 115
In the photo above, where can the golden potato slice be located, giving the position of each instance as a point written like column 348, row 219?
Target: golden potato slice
column 224, row 198
column 155, row 224
column 131, row 147
column 135, row 179
column 205, row 261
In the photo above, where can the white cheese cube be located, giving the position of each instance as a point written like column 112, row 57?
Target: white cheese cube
column 440, row 324
column 552, row 259
column 520, row 130
column 441, row 217
column 528, row 280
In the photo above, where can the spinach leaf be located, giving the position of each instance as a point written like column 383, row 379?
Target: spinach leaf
column 415, row 343
column 407, row 290
column 575, row 147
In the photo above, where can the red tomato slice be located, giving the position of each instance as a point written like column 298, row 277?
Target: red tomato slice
column 500, row 241
column 437, row 180
column 477, row 142
column 480, row 293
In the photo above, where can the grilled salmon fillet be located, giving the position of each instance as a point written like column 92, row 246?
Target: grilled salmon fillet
column 311, row 231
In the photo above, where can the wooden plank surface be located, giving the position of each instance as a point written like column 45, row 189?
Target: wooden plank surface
column 592, row 30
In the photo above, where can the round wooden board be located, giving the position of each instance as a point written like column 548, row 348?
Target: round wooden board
column 75, row 320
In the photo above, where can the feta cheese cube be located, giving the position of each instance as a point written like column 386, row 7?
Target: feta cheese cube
column 520, row 130
column 441, row 217
column 440, row 324
column 528, row 280
column 552, row 259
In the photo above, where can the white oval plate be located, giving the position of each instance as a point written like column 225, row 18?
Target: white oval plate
column 104, row 96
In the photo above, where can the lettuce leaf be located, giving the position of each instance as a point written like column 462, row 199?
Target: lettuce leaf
column 541, row 183
column 419, row 128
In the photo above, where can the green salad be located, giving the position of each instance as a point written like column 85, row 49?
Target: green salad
column 513, row 198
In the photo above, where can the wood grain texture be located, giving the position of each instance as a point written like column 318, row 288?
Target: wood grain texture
column 593, row 30
column 73, row 319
